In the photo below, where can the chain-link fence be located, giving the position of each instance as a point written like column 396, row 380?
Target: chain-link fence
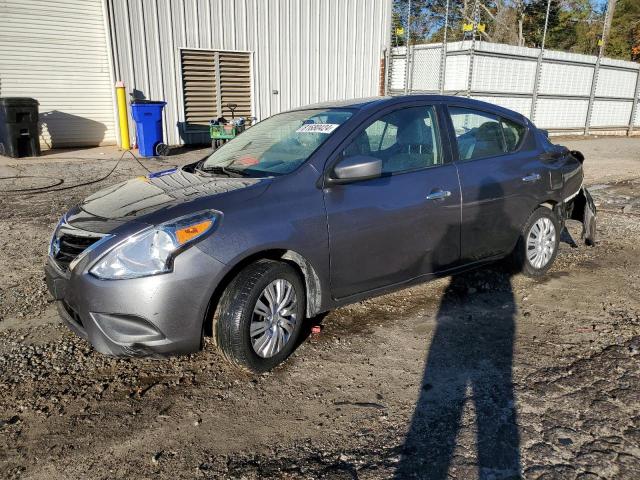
column 563, row 91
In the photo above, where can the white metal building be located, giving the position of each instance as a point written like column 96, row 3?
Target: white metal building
column 56, row 52
column 266, row 56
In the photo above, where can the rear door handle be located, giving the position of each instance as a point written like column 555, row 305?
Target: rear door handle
column 534, row 177
column 439, row 195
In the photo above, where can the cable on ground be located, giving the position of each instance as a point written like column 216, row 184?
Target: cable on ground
column 59, row 181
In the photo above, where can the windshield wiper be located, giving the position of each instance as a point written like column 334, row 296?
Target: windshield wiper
column 229, row 172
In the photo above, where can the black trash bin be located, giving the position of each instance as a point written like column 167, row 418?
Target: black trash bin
column 19, row 135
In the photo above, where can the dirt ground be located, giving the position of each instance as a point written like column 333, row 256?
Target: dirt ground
column 481, row 375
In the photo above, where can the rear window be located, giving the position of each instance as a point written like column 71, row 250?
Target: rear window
column 513, row 134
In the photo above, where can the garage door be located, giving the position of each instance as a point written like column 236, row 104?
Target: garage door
column 56, row 52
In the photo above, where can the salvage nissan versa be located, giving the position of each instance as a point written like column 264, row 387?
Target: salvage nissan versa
column 307, row 211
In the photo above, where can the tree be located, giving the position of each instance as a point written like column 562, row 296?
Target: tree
column 574, row 25
column 624, row 38
column 578, row 28
column 534, row 18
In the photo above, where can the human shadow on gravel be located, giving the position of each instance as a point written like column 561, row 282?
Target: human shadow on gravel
column 470, row 358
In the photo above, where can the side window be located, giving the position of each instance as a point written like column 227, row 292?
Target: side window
column 406, row 139
column 478, row 134
column 381, row 135
column 513, row 134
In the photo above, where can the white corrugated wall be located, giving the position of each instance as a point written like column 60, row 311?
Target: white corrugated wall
column 56, row 52
column 306, row 50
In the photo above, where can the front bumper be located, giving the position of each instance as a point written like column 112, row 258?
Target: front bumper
column 156, row 315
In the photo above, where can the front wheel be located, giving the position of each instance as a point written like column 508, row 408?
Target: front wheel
column 537, row 246
column 261, row 315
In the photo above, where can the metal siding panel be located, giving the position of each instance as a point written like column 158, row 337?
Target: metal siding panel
column 252, row 15
column 344, row 56
column 204, row 23
column 492, row 74
column 308, row 50
column 397, row 73
column 521, row 105
column 191, row 23
column 561, row 113
column 227, row 23
column 570, row 57
column 324, row 46
column 352, row 26
column 426, row 69
column 295, row 33
column 332, row 73
column 360, row 49
column 562, row 79
column 607, row 113
column 66, row 70
column 314, row 52
column 456, row 74
column 305, row 64
column 278, row 55
column 616, row 83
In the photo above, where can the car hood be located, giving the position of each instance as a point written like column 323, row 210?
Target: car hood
column 169, row 190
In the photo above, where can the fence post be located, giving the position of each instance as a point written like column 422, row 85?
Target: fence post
column 474, row 31
column 634, row 107
column 443, row 53
column 592, row 95
column 387, row 69
column 406, row 46
column 536, row 81
column 594, row 80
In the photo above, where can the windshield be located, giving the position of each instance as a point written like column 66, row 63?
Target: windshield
column 279, row 144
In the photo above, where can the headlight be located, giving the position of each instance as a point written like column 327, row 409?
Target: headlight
column 152, row 250
column 53, row 244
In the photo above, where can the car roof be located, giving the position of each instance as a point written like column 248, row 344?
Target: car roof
column 370, row 103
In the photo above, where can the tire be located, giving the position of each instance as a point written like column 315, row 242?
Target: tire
column 238, row 319
column 544, row 257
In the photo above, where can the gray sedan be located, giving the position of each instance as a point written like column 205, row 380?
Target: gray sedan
column 307, row 211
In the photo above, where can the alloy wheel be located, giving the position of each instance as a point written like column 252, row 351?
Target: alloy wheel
column 274, row 318
column 541, row 242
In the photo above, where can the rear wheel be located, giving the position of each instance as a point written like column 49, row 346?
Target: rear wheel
column 537, row 246
column 261, row 315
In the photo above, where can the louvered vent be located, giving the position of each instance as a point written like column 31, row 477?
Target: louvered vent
column 235, row 81
column 200, row 86
column 202, row 72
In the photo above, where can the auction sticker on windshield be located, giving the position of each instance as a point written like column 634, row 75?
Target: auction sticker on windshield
column 317, row 128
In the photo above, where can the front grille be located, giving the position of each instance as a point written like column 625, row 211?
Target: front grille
column 70, row 246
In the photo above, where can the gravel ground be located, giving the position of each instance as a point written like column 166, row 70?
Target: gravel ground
column 481, row 375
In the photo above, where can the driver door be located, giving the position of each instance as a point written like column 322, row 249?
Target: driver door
column 403, row 224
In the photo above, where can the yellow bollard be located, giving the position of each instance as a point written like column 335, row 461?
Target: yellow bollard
column 122, row 116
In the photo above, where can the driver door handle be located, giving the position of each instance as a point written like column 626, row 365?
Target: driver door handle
column 534, row 177
column 439, row 195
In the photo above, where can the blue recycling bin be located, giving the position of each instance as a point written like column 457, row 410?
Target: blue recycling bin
column 148, row 117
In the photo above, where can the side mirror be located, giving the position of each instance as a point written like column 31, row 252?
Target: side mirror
column 358, row 167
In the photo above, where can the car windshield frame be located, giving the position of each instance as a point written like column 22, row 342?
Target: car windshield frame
column 229, row 158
